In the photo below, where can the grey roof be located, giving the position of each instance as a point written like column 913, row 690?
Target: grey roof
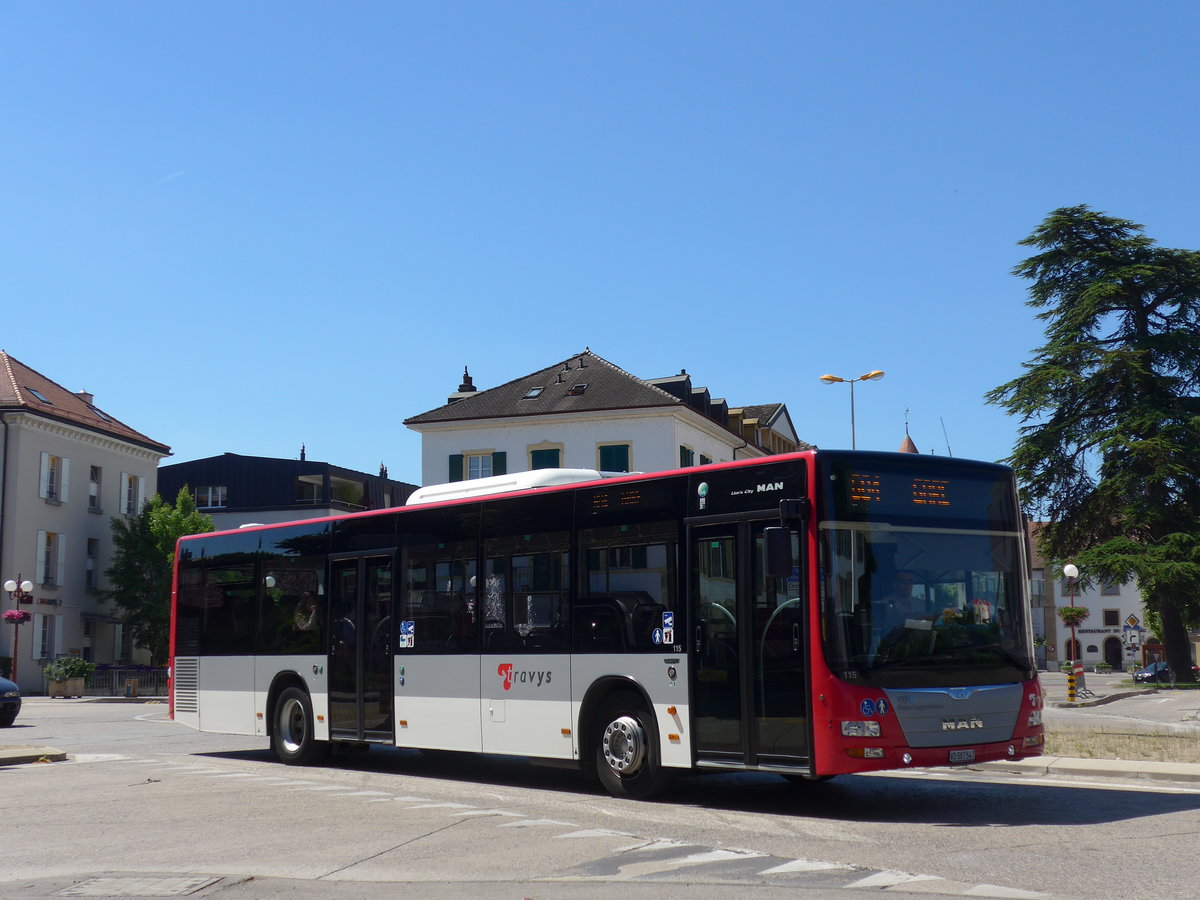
column 583, row 382
column 764, row 412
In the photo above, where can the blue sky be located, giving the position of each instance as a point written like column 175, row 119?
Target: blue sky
column 247, row 227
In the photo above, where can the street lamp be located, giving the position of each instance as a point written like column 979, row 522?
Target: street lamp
column 18, row 592
column 873, row 375
column 1071, row 571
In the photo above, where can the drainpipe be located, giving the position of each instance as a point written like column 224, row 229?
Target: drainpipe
column 3, row 486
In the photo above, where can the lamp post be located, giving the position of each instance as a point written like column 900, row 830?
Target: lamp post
column 1071, row 571
column 873, row 375
column 18, row 591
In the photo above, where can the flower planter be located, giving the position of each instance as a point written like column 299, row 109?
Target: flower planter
column 72, row 687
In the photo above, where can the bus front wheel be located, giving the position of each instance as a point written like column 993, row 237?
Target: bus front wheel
column 626, row 749
column 293, row 735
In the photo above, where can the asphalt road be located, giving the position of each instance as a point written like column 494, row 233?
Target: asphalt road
column 145, row 807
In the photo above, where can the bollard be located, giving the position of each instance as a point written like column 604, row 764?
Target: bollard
column 1071, row 685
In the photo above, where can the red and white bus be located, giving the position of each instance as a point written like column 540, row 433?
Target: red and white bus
column 810, row 614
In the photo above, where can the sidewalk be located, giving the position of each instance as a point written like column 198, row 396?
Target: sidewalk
column 1099, row 689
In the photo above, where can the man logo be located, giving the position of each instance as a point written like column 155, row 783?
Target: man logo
column 962, row 723
column 770, row 486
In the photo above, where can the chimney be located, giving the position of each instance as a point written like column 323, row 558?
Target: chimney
column 86, row 397
column 464, row 390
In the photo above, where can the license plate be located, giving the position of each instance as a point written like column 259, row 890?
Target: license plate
column 962, row 756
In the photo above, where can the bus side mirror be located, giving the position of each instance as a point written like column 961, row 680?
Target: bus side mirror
column 778, row 541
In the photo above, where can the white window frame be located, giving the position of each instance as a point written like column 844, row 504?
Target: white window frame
column 51, row 558
column 47, row 636
column 95, row 478
column 212, row 496
column 55, row 478
column 483, row 461
column 133, row 493
column 90, row 576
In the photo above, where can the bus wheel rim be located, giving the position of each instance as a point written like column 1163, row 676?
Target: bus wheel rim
column 624, row 745
column 292, row 725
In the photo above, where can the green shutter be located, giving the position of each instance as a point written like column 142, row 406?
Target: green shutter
column 456, row 467
column 614, row 458
column 500, row 463
column 544, row 459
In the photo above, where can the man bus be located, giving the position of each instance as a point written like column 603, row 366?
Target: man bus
column 733, row 616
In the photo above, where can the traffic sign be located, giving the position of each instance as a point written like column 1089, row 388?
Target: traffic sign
column 1133, row 621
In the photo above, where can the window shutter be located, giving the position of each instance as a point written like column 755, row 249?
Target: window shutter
column 141, row 494
column 614, row 458
column 44, row 483
column 500, row 463
column 39, row 635
column 456, row 467
column 545, row 459
column 66, row 480
column 60, row 551
column 42, row 568
column 123, row 493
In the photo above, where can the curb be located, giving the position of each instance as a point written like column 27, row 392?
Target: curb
column 1096, row 768
column 15, row 756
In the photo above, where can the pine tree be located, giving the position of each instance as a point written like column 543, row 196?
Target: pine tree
column 1109, row 449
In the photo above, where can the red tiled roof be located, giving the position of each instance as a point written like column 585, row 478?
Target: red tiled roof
column 25, row 389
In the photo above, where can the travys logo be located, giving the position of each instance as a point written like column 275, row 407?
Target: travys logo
column 510, row 676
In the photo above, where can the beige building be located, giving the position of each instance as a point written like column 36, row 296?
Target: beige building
column 67, row 467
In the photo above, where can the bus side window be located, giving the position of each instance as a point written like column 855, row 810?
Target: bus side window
column 599, row 627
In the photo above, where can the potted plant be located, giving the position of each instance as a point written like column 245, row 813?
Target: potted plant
column 67, row 675
column 1073, row 615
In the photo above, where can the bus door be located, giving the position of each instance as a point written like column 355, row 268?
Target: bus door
column 360, row 648
column 748, row 638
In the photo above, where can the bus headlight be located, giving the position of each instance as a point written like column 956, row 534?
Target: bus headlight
column 860, row 729
column 1035, row 718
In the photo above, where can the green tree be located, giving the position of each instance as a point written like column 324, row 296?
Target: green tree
column 1109, row 449
column 143, row 561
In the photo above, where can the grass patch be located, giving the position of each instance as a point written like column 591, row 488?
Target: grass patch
column 1094, row 744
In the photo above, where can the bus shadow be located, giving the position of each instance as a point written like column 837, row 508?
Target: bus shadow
column 950, row 802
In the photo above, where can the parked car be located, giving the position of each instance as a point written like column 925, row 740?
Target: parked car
column 1159, row 672
column 10, row 702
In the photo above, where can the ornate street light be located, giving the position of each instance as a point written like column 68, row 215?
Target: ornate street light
column 1071, row 572
column 19, row 591
column 873, row 375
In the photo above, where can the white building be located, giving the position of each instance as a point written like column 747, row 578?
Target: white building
column 66, row 468
column 587, row 413
column 1114, row 631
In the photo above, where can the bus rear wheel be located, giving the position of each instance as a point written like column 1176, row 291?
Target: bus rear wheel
column 292, row 736
column 626, row 749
